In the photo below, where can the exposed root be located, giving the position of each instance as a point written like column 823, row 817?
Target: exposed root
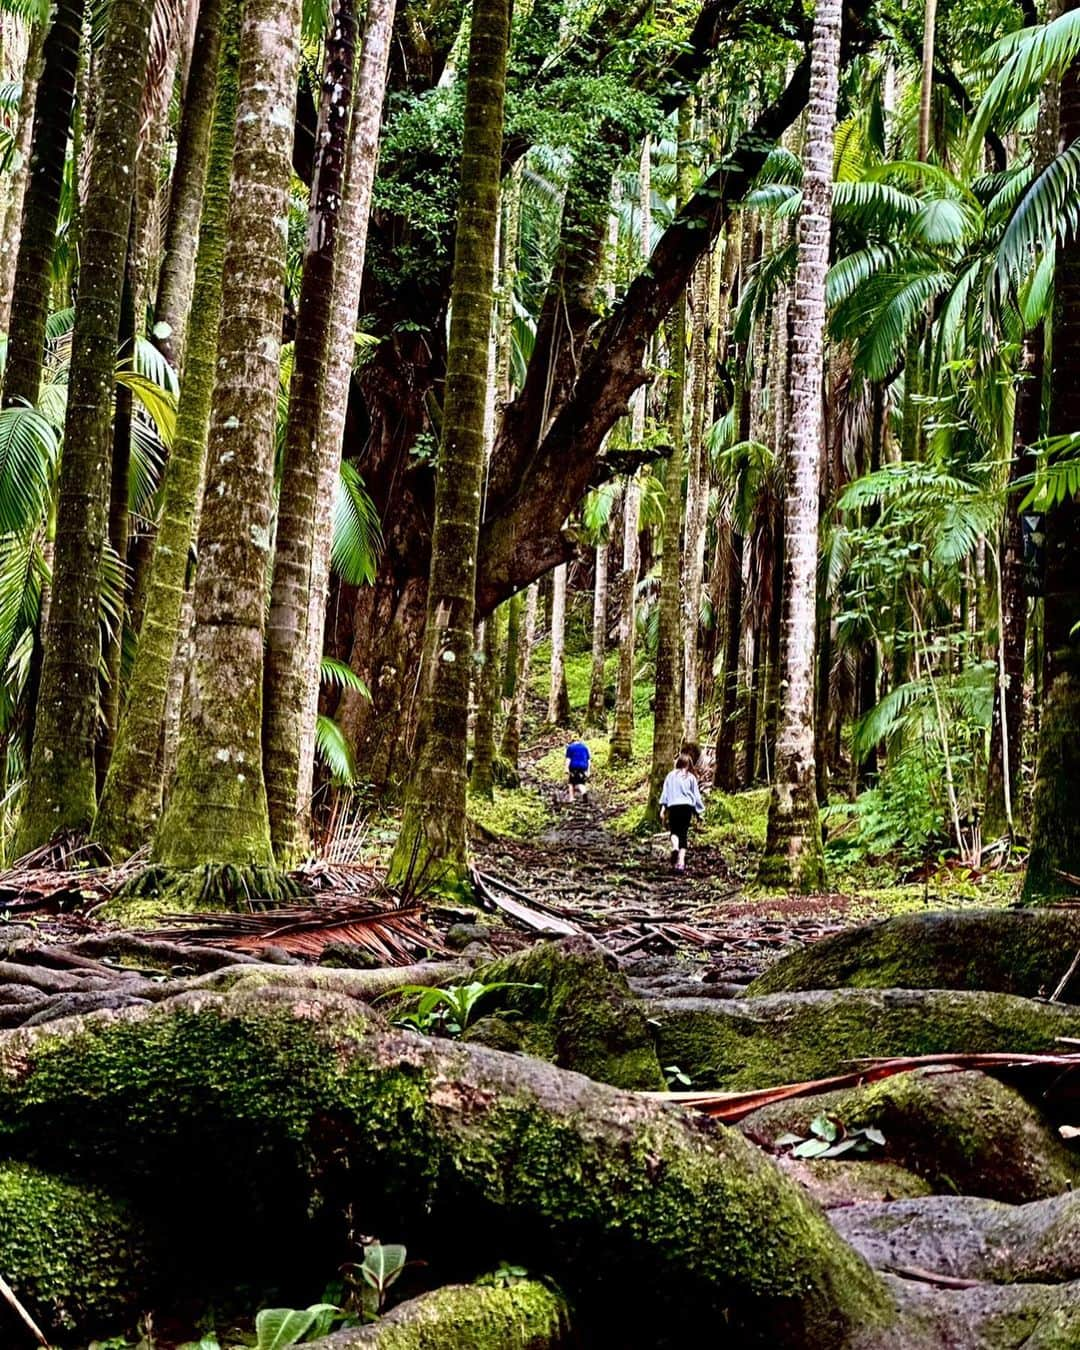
column 212, row 886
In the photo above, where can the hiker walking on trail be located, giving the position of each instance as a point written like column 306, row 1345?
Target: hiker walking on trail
column 577, row 768
column 680, row 801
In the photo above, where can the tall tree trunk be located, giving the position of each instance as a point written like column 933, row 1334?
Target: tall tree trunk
column 597, row 713
column 926, row 89
column 61, row 787
column 755, row 677
column 432, row 843
column 793, row 852
column 697, row 495
column 41, row 205
column 12, row 220
column 668, row 723
column 558, row 696
column 1055, row 827
column 511, row 741
column 176, row 279
column 352, row 232
column 286, row 646
column 514, row 615
column 482, row 777
column 132, row 796
column 217, row 814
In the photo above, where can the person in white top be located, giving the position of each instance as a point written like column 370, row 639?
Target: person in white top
column 680, row 801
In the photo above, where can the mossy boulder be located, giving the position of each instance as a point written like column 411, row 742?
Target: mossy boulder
column 1008, row 951
column 982, row 1317
column 582, row 1016
column 789, row 1038
column 840, row 1182
column 315, row 1120
column 960, row 1131
column 73, row 1254
column 526, row 1315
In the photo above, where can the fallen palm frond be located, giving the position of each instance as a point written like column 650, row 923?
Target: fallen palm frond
column 64, row 877
column 733, row 1106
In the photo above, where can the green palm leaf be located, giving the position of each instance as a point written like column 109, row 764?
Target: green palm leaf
column 357, row 531
column 29, row 449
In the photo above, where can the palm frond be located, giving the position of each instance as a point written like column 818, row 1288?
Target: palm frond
column 333, row 750
column 357, row 531
column 338, row 675
column 29, row 450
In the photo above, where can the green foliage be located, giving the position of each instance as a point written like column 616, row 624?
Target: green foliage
column 829, row 1139
column 447, row 1012
column 381, row 1267
column 279, row 1328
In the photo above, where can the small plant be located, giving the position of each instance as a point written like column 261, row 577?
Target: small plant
column 675, row 1077
column 278, row 1328
column 504, row 1276
column 447, row 1012
column 828, row 1138
column 381, row 1266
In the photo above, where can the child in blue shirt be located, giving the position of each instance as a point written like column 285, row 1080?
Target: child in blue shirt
column 577, row 768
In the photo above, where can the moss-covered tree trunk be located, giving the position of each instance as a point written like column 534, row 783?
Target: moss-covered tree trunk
column 12, row 217
column 61, row 786
column 793, row 851
column 432, row 842
column 597, row 715
column 286, row 634
column 31, row 287
column 668, row 723
column 352, row 229
column 558, row 694
column 217, row 814
column 131, row 799
column 511, row 740
column 697, row 495
column 1055, row 826
column 482, row 775
column 176, row 279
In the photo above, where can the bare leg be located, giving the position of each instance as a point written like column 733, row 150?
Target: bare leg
column 680, row 866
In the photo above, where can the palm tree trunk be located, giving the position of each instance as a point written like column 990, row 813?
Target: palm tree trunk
column 61, row 786
column 176, row 279
column 217, row 814
column 41, row 207
column 514, row 613
column 927, row 87
column 432, row 843
column 697, row 496
column 132, row 796
column 352, row 230
column 482, row 777
column 511, row 741
column 1055, row 826
column 597, row 715
column 12, row 220
column 793, row 853
column 558, row 697
column 286, row 647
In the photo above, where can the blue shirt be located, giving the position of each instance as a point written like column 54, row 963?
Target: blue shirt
column 681, row 789
column 577, row 752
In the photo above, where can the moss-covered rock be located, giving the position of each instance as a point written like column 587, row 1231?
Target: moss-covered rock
column 961, row 1131
column 1007, row 951
column 526, row 1315
column 582, row 1016
column 840, row 1182
column 984, row 1317
column 789, row 1038
column 313, row 1120
column 73, row 1255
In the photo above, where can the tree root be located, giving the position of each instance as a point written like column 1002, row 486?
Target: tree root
column 212, row 886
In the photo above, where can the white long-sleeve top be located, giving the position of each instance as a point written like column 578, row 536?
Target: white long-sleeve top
column 681, row 789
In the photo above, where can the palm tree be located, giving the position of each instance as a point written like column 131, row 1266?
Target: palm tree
column 558, row 697
column 511, row 741
column 12, row 216
column 61, row 785
column 215, row 830
column 432, row 841
column 793, row 852
column 132, row 794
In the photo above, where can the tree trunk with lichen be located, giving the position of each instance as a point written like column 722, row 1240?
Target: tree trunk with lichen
column 511, row 741
column 12, row 219
column 61, row 787
column 597, row 709
column 482, row 775
column 286, row 634
column 793, row 850
column 558, row 695
column 131, row 799
column 432, row 843
column 32, row 284
column 217, row 815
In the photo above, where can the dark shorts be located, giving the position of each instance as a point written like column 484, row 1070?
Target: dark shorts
column 678, row 819
column 579, row 776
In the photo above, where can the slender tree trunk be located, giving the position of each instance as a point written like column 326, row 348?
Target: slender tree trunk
column 352, row 231
column 286, row 645
column 217, row 814
column 12, row 219
column 558, row 697
column 511, row 741
column 514, row 614
column 668, row 724
column 176, row 279
column 753, row 707
column 41, row 206
column 1055, row 827
column 597, row 714
column 61, row 786
column 482, row 777
column 432, row 843
column 132, row 796
column 927, row 87
column 793, row 853
column 697, row 496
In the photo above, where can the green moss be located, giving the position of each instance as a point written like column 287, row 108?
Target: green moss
column 518, row 813
column 71, row 1253
column 788, row 1038
column 1008, row 951
column 961, row 1131
column 582, row 1017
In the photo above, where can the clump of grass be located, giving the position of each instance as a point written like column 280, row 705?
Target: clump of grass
column 515, row 813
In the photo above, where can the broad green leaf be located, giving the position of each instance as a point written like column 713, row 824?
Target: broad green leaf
column 278, row 1328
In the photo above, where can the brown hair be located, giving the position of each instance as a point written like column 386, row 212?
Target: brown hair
column 685, row 763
